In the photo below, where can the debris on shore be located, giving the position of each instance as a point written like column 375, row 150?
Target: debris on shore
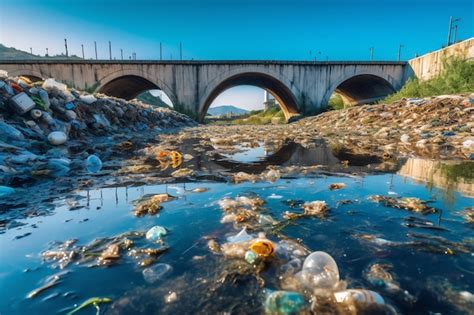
column 50, row 130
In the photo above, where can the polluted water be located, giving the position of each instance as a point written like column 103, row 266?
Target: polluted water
column 215, row 219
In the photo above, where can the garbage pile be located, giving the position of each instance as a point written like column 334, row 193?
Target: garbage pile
column 435, row 127
column 44, row 123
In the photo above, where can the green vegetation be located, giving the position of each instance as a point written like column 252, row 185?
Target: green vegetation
column 335, row 102
column 256, row 117
column 148, row 98
column 91, row 89
column 457, row 77
column 456, row 173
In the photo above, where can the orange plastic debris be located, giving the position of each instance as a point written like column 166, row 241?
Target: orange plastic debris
column 263, row 248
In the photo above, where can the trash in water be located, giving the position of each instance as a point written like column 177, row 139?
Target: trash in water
column 156, row 272
column 242, row 236
column 315, row 208
column 262, row 248
column 200, row 189
column 183, row 172
column 285, row 303
column 358, row 299
column 337, row 186
column 407, row 203
column 250, row 257
column 156, row 233
column 95, row 301
column 93, row 163
column 319, row 271
column 151, row 204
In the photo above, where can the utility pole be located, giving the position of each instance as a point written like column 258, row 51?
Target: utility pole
column 400, row 51
column 455, row 33
column 95, row 48
column 449, row 30
column 371, row 53
column 451, row 20
column 161, row 52
column 65, row 45
column 47, row 52
column 121, row 53
column 82, row 47
column 110, row 50
column 180, row 51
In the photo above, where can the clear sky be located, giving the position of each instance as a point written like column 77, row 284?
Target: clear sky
column 245, row 29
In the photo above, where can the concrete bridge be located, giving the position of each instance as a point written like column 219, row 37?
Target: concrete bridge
column 301, row 88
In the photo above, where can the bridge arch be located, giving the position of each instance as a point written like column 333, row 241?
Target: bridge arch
column 361, row 87
column 278, row 86
column 33, row 75
column 129, row 83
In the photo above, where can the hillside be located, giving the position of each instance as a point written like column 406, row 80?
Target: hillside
column 225, row 110
column 9, row 53
column 148, row 98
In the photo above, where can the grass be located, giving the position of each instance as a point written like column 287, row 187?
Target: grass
column 335, row 102
column 255, row 117
column 457, row 77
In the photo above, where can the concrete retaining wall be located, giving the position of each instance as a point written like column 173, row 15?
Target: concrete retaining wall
column 429, row 65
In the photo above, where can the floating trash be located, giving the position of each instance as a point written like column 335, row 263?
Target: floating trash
column 155, row 273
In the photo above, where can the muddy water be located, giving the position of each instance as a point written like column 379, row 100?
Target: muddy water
column 432, row 262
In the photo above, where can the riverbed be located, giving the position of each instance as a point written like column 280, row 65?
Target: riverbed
column 428, row 254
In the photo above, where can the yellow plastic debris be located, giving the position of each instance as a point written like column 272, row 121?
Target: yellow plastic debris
column 263, row 248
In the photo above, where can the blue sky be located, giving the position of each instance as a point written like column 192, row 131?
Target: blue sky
column 249, row 29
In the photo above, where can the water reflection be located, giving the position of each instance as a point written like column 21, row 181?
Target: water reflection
column 450, row 176
column 257, row 159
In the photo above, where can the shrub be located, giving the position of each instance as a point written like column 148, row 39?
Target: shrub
column 457, row 77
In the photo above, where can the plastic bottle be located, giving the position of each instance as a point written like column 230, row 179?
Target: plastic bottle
column 88, row 99
column 47, row 118
column 93, row 164
column 36, row 113
column 156, row 233
column 154, row 273
column 319, row 271
column 285, row 302
column 10, row 132
column 57, row 138
column 5, row 190
column 250, row 257
column 45, row 98
column 71, row 115
column 358, row 297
